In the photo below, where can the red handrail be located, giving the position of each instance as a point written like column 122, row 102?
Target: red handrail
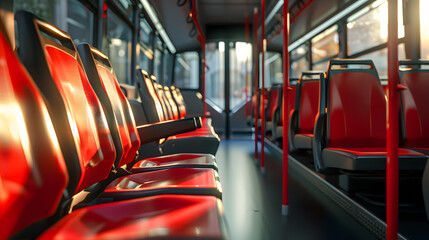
column 256, row 57
column 392, row 123
column 246, row 37
column 291, row 20
column 285, row 204
column 202, row 40
column 264, row 44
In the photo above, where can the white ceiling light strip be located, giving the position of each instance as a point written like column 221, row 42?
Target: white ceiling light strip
column 154, row 18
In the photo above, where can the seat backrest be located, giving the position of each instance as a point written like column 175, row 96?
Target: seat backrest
column 151, row 105
column 116, row 106
column 33, row 175
column 415, row 108
column 273, row 95
column 290, row 103
column 168, row 112
column 177, row 95
column 356, row 105
column 172, row 103
column 80, row 124
column 307, row 101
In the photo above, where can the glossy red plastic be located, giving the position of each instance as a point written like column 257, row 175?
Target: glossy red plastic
column 286, row 93
column 256, row 75
column 309, row 106
column 376, row 151
column 416, row 112
column 165, row 216
column 172, row 103
column 272, row 102
column 163, row 179
column 175, row 159
column 356, row 121
column 290, row 103
column 392, row 142
column 33, row 174
column 124, row 116
column 92, row 135
column 180, row 101
column 263, row 42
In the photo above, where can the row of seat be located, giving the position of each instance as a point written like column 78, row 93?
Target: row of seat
column 69, row 151
column 340, row 116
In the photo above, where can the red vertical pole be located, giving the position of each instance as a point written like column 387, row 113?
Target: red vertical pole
column 203, row 48
column 285, row 204
column 392, row 123
column 246, row 37
column 256, row 56
column 264, row 45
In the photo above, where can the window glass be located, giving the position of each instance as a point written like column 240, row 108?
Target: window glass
column 157, row 70
column 380, row 59
column 322, row 66
column 299, row 62
column 239, row 73
column 144, row 47
column 215, row 75
column 368, row 27
column 186, row 70
column 167, row 67
column 117, row 45
column 126, row 6
column 325, row 44
column 424, row 29
column 273, row 68
column 70, row 16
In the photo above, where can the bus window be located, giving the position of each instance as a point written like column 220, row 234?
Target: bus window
column 167, row 67
column 186, row 70
column 239, row 55
column 368, row 27
column 78, row 20
column 380, row 59
column 299, row 61
column 322, row 66
column 273, row 68
column 424, row 29
column 325, row 45
column 126, row 7
column 117, row 45
column 157, row 67
column 144, row 48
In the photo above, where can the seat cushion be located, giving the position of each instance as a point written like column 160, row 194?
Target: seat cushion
column 175, row 160
column 370, row 159
column 166, row 216
column 189, row 181
column 303, row 141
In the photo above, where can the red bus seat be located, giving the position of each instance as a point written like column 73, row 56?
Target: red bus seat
column 71, row 83
column 165, row 217
column 306, row 107
column 32, row 172
column 273, row 95
column 178, row 97
column 51, row 57
column 415, row 113
column 121, row 120
column 204, row 140
column 351, row 134
column 278, row 113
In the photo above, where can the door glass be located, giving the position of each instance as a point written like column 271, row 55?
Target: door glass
column 239, row 66
column 215, row 75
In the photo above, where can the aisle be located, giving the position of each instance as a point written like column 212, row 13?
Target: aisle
column 252, row 201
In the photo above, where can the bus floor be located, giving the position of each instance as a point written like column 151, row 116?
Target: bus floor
column 252, row 201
